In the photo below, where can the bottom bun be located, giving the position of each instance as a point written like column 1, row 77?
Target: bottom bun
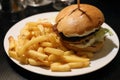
column 94, row 48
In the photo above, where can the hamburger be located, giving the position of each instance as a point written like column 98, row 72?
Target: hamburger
column 80, row 29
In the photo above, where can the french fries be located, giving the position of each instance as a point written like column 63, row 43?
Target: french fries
column 60, row 67
column 54, row 51
column 39, row 45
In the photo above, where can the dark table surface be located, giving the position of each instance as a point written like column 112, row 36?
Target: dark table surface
column 10, row 71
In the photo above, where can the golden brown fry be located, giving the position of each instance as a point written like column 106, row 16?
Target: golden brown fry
column 52, row 37
column 55, row 58
column 54, row 51
column 13, row 54
column 11, row 43
column 34, row 62
column 41, row 29
column 37, row 55
column 75, row 59
column 58, row 67
column 46, row 44
column 76, row 65
column 69, row 53
column 23, row 59
column 38, row 39
column 40, row 49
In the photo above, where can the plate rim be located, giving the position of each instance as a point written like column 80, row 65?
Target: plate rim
column 57, row 74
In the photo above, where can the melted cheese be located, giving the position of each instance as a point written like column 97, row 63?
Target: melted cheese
column 85, row 33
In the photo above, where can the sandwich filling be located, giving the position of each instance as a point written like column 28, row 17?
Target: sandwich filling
column 86, row 41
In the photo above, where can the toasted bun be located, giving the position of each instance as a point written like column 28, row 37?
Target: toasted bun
column 93, row 48
column 72, row 21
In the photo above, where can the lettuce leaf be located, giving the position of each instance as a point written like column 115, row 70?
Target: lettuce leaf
column 101, row 33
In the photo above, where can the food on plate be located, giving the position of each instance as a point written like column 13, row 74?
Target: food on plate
column 38, row 45
column 80, row 29
column 66, row 45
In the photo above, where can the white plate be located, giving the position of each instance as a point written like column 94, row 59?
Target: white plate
column 102, row 58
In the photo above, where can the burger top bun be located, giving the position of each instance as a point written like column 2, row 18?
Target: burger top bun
column 72, row 21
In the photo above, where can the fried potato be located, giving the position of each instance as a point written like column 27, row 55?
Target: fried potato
column 38, row 45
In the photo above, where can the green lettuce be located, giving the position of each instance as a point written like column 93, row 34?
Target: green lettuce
column 101, row 33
